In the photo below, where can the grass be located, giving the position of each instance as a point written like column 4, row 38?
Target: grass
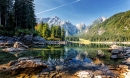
column 82, row 41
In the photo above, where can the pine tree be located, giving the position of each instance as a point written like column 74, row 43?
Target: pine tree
column 52, row 32
column 57, row 31
column 40, row 29
column 62, row 34
column 46, row 31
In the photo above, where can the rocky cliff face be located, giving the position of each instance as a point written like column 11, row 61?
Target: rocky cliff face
column 81, row 27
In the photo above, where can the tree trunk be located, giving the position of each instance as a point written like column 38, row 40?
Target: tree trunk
column 0, row 12
column 0, row 16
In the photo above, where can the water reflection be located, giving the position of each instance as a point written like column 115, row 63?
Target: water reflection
column 61, row 53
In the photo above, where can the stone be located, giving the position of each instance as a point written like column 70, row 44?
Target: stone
column 39, row 40
column 123, row 66
column 126, row 61
column 28, row 39
column 45, row 73
column 13, row 49
column 97, row 76
column 115, row 47
column 101, row 65
column 18, row 66
column 83, row 74
column 20, row 45
column 12, row 63
column 113, row 56
column 115, row 51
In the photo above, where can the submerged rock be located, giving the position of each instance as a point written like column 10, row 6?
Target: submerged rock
column 25, row 65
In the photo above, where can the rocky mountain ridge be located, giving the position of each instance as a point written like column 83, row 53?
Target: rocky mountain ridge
column 70, row 29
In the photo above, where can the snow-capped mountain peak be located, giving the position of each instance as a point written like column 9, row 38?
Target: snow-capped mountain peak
column 102, row 19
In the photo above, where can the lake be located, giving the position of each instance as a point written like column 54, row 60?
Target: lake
column 63, row 52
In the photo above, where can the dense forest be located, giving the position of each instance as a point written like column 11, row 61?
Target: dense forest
column 116, row 28
column 16, row 17
column 53, row 33
column 72, row 38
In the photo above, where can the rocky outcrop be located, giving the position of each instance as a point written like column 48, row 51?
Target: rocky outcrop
column 100, row 54
column 25, row 65
column 124, row 72
column 26, row 39
column 18, row 46
column 39, row 40
column 119, row 52
column 126, row 61
column 115, row 47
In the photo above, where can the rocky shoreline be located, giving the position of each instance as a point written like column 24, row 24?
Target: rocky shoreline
column 25, row 39
column 35, row 67
column 119, row 52
column 57, row 69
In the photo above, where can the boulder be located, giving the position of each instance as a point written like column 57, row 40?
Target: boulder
column 123, row 67
column 28, row 39
column 12, row 63
column 83, row 74
column 126, row 61
column 116, row 51
column 25, row 65
column 115, row 47
column 20, row 45
column 113, row 56
column 39, row 40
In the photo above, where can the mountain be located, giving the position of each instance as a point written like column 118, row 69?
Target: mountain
column 96, row 22
column 85, row 29
column 39, row 20
column 115, row 28
column 70, row 29
column 81, row 27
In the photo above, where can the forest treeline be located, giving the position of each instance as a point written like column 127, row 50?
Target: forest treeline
column 53, row 33
column 17, row 16
column 72, row 38
column 115, row 28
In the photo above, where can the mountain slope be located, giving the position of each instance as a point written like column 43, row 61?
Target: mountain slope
column 116, row 28
column 96, row 22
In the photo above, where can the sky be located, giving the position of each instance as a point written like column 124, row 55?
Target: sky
column 78, row 11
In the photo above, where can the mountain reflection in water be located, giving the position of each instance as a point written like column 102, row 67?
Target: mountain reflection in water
column 61, row 53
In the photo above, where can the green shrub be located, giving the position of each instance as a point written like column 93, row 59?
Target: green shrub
column 35, row 33
column 6, row 32
column 25, row 32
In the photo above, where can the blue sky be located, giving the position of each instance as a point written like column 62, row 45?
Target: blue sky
column 78, row 11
